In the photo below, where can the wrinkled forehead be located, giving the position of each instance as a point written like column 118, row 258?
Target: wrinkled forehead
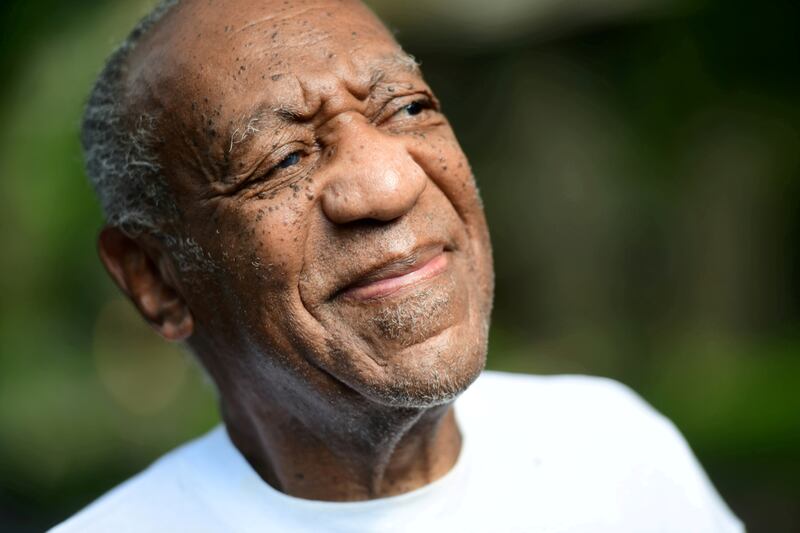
column 236, row 50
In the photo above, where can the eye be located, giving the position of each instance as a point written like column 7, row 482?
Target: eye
column 417, row 107
column 407, row 112
column 414, row 108
column 290, row 160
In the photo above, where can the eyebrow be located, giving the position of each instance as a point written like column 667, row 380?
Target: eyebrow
column 245, row 129
column 395, row 61
column 263, row 118
column 288, row 113
column 405, row 61
column 378, row 75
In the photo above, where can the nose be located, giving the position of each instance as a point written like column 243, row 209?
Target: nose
column 371, row 175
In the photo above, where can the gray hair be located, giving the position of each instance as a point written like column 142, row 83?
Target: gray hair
column 120, row 152
column 120, row 148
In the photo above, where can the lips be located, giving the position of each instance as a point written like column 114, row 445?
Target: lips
column 397, row 274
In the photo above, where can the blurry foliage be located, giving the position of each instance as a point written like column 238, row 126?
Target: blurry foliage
column 639, row 165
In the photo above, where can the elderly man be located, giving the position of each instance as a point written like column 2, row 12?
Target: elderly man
column 284, row 194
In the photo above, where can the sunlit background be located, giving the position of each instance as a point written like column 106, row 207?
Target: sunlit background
column 639, row 163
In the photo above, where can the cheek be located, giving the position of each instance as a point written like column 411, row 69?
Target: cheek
column 442, row 159
column 270, row 229
column 258, row 246
column 260, row 250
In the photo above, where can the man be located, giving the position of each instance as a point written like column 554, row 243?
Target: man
column 284, row 195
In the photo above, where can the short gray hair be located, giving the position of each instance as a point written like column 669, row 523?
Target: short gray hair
column 120, row 147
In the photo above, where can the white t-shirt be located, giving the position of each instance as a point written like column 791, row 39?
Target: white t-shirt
column 540, row 454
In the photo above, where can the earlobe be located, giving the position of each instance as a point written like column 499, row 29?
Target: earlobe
column 177, row 323
column 135, row 269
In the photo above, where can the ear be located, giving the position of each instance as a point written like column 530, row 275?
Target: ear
column 142, row 272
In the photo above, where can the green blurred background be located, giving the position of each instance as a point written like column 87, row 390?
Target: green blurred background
column 639, row 164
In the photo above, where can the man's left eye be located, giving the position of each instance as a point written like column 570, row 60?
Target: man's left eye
column 414, row 108
column 405, row 113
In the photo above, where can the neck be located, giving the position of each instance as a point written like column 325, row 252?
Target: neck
column 373, row 454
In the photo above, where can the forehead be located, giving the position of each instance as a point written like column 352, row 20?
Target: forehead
column 243, row 50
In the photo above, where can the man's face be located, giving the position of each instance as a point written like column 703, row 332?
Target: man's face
column 311, row 163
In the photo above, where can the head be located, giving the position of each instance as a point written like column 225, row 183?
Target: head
column 284, row 194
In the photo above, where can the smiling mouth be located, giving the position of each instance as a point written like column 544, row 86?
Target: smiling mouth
column 396, row 276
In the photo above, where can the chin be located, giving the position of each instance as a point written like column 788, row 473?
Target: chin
column 432, row 373
column 417, row 349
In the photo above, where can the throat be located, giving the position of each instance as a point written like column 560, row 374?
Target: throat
column 381, row 457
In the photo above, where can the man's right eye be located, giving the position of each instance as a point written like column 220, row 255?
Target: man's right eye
column 290, row 160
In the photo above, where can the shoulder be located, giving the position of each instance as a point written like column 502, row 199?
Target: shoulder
column 585, row 415
column 562, row 396
column 597, row 434
column 568, row 411
column 162, row 497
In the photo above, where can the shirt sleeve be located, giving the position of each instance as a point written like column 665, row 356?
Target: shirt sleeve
column 673, row 484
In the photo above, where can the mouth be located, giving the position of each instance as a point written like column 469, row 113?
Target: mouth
column 399, row 274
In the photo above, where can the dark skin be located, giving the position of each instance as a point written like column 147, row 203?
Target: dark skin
column 345, row 297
